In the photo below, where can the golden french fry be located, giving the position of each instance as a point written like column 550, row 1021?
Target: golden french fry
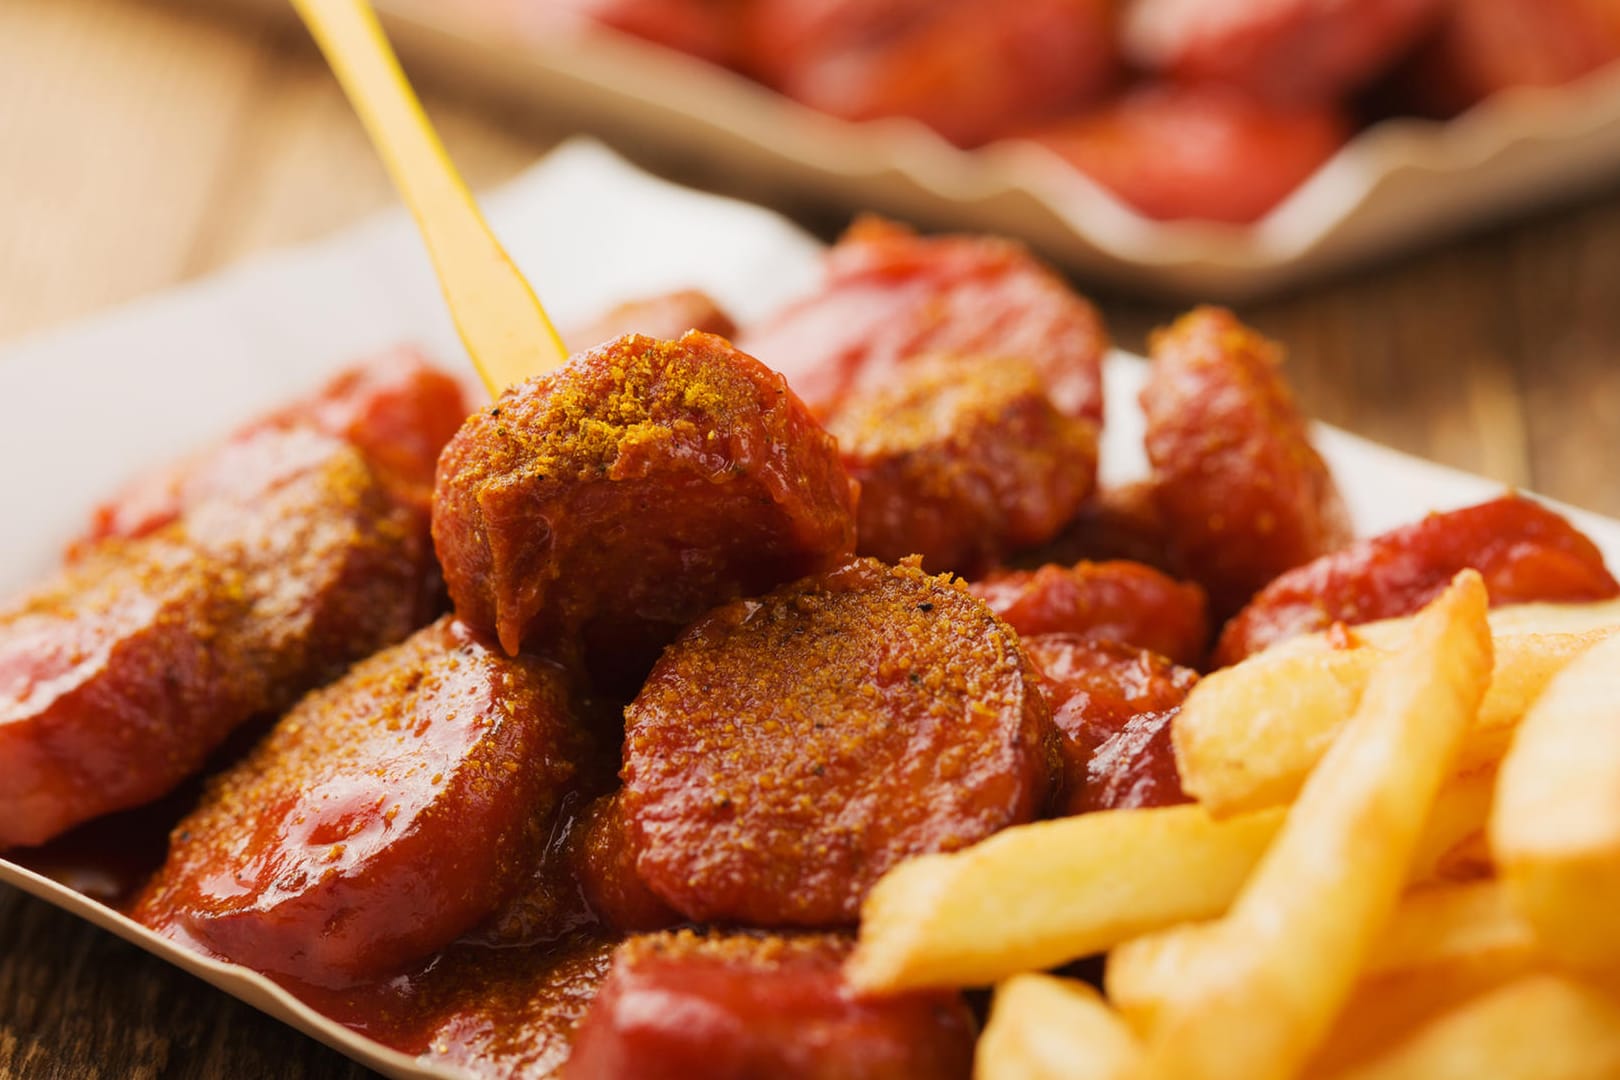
column 1555, row 829
column 1387, row 1008
column 1035, row 896
column 1248, row 735
column 1279, row 967
column 1044, row 1028
column 1433, row 929
column 1444, row 924
column 1452, row 847
column 1541, row 1027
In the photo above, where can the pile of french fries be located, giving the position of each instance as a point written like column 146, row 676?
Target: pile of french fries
column 1403, row 862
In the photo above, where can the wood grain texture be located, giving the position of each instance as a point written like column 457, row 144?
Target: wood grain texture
column 144, row 144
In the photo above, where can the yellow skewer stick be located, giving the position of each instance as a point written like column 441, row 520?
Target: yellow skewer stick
column 496, row 312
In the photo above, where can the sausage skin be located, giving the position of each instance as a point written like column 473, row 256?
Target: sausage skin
column 1525, row 552
column 1113, row 705
column 120, row 675
column 1244, row 493
column 740, row 1006
column 1103, row 601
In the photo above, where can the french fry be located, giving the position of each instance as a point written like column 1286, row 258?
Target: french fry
column 1278, row 968
column 1452, row 848
column 1035, row 896
column 1248, row 735
column 1542, row 1027
column 1044, row 1028
column 1434, row 929
column 1386, row 1009
column 1555, row 828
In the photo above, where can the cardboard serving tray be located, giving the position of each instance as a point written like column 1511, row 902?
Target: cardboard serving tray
column 85, row 407
column 1394, row 186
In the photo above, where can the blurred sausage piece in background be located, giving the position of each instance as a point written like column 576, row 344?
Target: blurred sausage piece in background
column 1286, row 51
column 889, row 296
column 971, row 70
column 666, row 316
column 1209, row 151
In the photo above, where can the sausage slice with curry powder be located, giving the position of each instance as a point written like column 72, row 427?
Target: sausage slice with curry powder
column 787, row 751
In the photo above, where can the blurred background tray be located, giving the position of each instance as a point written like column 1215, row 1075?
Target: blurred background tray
column 1394, row 186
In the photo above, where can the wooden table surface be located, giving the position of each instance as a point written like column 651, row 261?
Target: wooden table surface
column 142, row 144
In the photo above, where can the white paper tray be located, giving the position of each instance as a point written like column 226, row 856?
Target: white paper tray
column 1394, row 186
column 88, row 406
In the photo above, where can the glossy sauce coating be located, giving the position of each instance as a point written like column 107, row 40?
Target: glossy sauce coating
column 740, row 1007
column 1113, row 705
column 1525, row 552
column 1119, row 522
column 1245, row 494
column 507, row 1013
column 604, row 506
column 666, row 316
column 786, row 751
column 1206, row 151
column 1287, row 51
column 380, row 819
column 963, row 461
column 970, row 69
column 396, row 409
column 1105, row 601
column 889, row 296
column 602, row 858
column 119, row 676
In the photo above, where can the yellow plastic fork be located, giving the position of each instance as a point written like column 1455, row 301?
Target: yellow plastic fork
column 500, row 320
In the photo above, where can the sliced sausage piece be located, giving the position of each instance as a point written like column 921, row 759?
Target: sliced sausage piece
column 1107, row 601
column 396, row 409
column 381, row 818
column 963, row 461
column 1244, row 492
column 1208, row 152
column 1113, row 705
column 120, row 675
column 617, row 499
column 1118, row 522
column 602, row 855
column 970, row 69
column 1287, row 51
column 1525, row 551
column 890, row 296
column 1482, row 47
column 667, row 316
column 507, row 1013
column 786, row 751
column 702, row 28
column 741, row 1006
